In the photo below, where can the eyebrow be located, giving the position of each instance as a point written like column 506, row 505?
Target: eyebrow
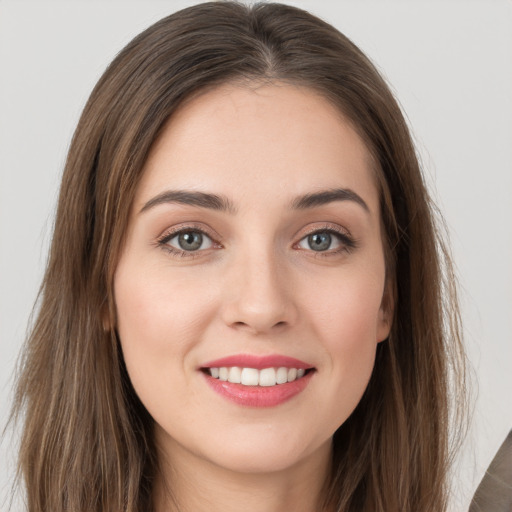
column 328, row 196
column 192, row 198
column 222, row 203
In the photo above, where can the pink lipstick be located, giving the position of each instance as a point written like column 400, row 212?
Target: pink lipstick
column 257, row 381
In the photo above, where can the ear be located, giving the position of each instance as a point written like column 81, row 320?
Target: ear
column 386, row 312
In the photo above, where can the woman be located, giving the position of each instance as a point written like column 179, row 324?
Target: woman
column 247, row 304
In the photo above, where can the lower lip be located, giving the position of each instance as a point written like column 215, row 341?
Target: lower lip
column 258, row 396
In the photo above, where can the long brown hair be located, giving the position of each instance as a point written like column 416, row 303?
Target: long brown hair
column 87, row 441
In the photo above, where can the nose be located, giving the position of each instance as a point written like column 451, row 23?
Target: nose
column 259, row 295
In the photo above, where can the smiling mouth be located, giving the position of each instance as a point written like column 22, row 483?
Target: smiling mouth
column 265, row 377
column 258, row 380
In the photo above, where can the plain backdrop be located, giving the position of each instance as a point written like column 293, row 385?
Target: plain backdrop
column 450, row 65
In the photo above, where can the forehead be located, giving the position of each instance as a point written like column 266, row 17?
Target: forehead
column 272, row 141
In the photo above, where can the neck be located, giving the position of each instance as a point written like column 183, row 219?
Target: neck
column 190, row 484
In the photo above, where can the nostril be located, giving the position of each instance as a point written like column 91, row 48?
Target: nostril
column 259, row 328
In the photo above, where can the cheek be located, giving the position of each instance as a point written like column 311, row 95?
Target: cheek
column 158, row 321
column 158, row 309
column 351, row 337
column 346, row 319
column 346, row 306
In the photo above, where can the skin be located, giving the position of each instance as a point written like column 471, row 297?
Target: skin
column 258, row 288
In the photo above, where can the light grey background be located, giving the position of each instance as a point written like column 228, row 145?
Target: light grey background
column 450, row 64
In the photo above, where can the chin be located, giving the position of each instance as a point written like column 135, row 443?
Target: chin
column 264, row 454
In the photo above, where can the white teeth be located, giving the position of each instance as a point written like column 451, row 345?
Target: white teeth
column 267, row 377
column 282, row 375
column 223, row 373
column 252, row 377
column 235, row 375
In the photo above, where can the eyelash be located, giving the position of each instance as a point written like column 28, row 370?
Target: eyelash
column 163, row 241
column 348, row 243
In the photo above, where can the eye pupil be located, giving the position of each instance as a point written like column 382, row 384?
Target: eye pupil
column 190, row 240
column 319, row 241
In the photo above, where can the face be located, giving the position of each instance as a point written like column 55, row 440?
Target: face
column 249, row 290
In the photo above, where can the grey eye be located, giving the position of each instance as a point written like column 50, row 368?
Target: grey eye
column 190, row 241
column 320, row 241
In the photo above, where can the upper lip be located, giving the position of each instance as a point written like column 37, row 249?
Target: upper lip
column 257, row 362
